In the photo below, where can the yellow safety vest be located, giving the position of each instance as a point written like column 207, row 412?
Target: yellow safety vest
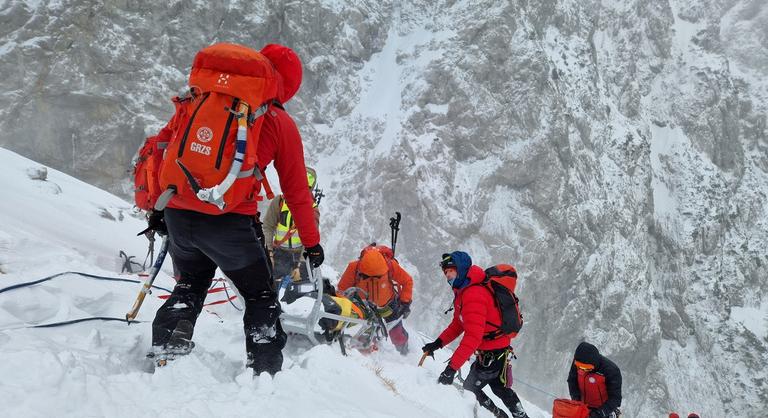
column 285, row 232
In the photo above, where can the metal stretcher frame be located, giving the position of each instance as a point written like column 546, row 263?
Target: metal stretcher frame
column 306, row 325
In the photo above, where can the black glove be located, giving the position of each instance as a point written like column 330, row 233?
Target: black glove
column 405, row 309
column 156, row 223
column 315, row 255
column 433, row 346
column 446, row 377
column 597, row 413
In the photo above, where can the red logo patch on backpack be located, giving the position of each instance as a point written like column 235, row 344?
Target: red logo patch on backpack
column 501, row 279
column 210, row 160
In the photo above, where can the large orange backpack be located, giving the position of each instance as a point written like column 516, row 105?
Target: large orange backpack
column 382, row 290
column 210, row 162
column 501, row 280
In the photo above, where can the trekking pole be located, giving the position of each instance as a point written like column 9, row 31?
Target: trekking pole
column 394, row 224
column 147, row 286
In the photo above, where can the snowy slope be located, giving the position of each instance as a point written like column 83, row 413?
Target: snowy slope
column 98, row 368
column 615, row 151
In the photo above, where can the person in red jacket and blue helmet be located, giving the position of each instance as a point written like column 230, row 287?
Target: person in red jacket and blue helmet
column 595, row 380
column 474, row 312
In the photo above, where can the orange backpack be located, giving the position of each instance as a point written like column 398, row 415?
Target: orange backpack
column 210, row 162
column 501, row 279
column 382, row 290
column 146, row 184
column 566, row 408
column 147, row 164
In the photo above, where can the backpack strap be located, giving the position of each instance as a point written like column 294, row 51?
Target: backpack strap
column 215, row 194
column 264, row 182
column 260, row 178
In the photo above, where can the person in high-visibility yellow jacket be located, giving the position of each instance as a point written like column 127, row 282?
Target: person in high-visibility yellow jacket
column 282, row 239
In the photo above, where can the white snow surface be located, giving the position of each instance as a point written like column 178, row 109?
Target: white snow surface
column 98, row 368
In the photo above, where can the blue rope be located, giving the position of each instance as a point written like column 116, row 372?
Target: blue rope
column 90, row 276
column 75, row 321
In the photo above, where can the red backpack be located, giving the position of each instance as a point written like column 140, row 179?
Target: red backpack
column 501, row 280
column 566, row 408
column 210, row 163
column 147, row 164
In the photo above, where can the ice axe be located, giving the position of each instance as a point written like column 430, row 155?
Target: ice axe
column 147, row 286
column 394, row 224
column 424, row 357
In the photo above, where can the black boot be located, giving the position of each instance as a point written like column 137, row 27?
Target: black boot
column 518, row 411
column 179, row 344
column 497, row 412
column 183, row 306
column 264, row 335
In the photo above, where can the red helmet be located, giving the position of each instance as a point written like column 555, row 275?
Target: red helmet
column 288, row 66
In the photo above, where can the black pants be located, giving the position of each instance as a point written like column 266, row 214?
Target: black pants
column 285, row 261
column 200, row 243
column 486, row 370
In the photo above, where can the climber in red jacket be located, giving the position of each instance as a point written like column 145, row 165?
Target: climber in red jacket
column 474, row 312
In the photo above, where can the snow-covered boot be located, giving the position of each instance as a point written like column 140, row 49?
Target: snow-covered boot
column 264, row 335
column 184, row 305
column 179, row 344
column 497, row 412
column 518, row 411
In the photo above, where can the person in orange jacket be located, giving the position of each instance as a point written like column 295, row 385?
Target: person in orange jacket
column 387, row 285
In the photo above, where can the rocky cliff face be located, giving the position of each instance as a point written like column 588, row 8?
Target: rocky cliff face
column 615, row 151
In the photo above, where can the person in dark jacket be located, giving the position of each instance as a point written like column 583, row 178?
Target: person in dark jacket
column 474, row 315
column 595, row 380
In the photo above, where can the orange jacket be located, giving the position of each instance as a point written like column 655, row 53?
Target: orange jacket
column 380, row 290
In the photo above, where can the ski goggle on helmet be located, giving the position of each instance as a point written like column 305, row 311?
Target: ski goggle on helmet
column 447, row 262
column 584, row 366
column 450, row 269
column 311, row 178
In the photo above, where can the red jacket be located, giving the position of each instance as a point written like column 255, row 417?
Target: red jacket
column 474, row 309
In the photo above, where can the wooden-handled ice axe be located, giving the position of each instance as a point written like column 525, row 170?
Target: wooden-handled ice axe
column 424, row 357
column 147, row 286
